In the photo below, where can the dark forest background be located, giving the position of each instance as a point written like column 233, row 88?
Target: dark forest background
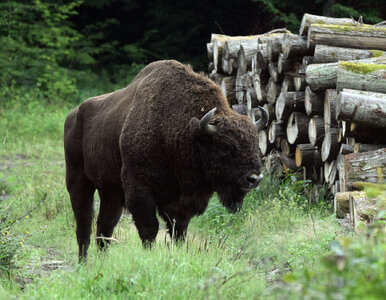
column 57, row 49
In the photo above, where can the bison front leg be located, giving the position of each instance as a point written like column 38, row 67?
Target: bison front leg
column 142, row 207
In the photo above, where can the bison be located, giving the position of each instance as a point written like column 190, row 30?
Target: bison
column 165, row 143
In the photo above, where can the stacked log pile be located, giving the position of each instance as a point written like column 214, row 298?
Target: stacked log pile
column 324, row 90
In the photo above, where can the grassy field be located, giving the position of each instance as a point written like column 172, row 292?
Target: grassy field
column 272, row 249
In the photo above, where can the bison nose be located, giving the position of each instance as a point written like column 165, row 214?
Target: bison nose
column 254, row 179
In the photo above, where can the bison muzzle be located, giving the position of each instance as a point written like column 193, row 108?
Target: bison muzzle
column 165, row 143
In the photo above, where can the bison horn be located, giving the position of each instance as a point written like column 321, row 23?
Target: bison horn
column 204, row 122
column 263, row 121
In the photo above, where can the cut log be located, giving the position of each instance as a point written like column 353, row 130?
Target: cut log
column 273, row 90
column 316, row 130
column 240, row 108
column 365, row 134
column 261, row 57
column 329, row 114
column 297, row 128
column 314, row 102
column 346, row 149
column 209, row 50
column 341, row 201
column 286, row 147
column 273, row 72
column 307, row 60
column 324, row 76
column 274, row 47
column 288, row 102
column 288, row 162
column 332, row 173
column 364, row 76
column 365, row 108
column 329, row 54
column 273, row 165
column 309, row 19
column 270, row 108
column 287, row 84
column 307, row 155
column 365, row 166
column 240, row 88
column 358, row 147
column 228, row 88
column 363, row 37
column 321, row 76
column 259, row 87
column 264, row 145
column 284, row 64
column 276, row 131
column 295, row 46
column 330, row 145
column 300, row 81
column 361, row 186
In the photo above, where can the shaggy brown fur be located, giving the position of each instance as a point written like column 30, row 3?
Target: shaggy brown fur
column 142, row 147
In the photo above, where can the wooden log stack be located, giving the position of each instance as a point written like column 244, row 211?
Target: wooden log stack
column 324, row 90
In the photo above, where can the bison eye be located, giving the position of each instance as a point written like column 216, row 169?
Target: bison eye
column 224, row 150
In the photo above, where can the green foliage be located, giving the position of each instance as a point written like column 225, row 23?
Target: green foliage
column 38, row 49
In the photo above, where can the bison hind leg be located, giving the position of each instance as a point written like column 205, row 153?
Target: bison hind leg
column 110, row 211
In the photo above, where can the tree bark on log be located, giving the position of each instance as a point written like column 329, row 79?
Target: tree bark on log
column 330, row 145
column 270, row 108
column 288, row 102
column 297, row 128
column 365, row 76
column 284, row 64
column 321, row 76
column 314, row 102
column 228, row 88
column 364, row 134
column 329, row 54
column 307, row 155
column 363, row 37
column 365, row 108
column 309, row 19
column 300, row 81
column 286, row 147
column 341, row 201
column 365, row 166
column 316, row 130
column 329, row 109
column 273, row 72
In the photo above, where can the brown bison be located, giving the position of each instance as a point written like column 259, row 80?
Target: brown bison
column 164, row 143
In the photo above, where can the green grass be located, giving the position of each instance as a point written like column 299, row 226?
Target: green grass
column 242, row 256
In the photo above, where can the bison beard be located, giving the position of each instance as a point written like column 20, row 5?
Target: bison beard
column 164, row 144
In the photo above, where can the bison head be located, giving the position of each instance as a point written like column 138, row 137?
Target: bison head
column 228, row 154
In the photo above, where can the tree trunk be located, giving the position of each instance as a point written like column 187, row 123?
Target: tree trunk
column 288, row 102
column 358, row 147
column 295, row 46
column 314, row 103
column 365, row 108
column 307, row 155
column 316, row 130
column 228, row 88
column 329, row 109
column 364, row 76
column 297, row 128
column 329, row 54
column 309, row 19
column 330, row 145
column 363, row 37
